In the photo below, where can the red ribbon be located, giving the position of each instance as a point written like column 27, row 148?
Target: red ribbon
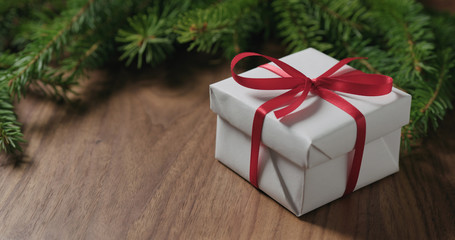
column 354, row 82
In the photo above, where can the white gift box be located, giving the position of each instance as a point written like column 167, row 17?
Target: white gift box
column 304, row 157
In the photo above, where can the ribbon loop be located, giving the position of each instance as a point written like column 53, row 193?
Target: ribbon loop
column 353, row 82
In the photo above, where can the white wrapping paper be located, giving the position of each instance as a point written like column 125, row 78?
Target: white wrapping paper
column 304, row 160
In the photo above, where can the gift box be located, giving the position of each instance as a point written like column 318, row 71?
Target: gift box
column 305, row 157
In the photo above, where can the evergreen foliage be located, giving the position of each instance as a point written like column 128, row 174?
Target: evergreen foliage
column 227, row 25
column 148, row 38
column 10, row 131
column 48, row 45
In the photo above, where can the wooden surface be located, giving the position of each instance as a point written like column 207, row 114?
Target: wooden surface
column 135, row 160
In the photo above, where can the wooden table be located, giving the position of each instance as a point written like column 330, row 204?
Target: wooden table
column 135, row 160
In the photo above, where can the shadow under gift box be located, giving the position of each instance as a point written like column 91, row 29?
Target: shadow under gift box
column 305, row 157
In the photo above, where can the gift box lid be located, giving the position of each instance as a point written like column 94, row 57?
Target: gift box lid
column 316, row 131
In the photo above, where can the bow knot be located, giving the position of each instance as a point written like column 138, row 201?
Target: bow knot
column 353, row 82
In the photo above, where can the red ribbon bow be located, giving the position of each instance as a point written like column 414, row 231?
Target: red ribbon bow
column 354, row 82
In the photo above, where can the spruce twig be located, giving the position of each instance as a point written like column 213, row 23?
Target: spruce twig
column 31, row 64
column 225, row 25
column 10, row 129
column 43, row 55
column 399, row 37
column 435, row 94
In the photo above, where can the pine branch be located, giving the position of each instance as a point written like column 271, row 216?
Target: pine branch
column 148, row 35
column 434, row 97
column 6, row 60
column 32, row 64
column 50, row 54
column 39, row 53
column 10, row 130
column 58, row 82
column 298, row 26
column 348, row 15
column 444, row 29
column 225, row 25
column 409, row 39
column 442, row 77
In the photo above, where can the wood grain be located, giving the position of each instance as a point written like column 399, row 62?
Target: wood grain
column 135, row 160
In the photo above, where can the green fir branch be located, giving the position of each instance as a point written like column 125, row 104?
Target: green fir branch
column 10, row 129
column 40, row 52
column 299, row 29
column 434, row 97
column 148, row 37
column 6, row 60
column 48, row 45
column 58, row 82
column 406, row 28
column 225, row 25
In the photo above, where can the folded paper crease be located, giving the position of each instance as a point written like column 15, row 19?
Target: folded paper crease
column 306, row 153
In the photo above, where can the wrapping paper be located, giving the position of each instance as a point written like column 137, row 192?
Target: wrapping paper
column 305, row 157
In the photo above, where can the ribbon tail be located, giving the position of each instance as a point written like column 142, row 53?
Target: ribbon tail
column 360, row 138
column 295, row 104
column 256, row 133
column 258, row 123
